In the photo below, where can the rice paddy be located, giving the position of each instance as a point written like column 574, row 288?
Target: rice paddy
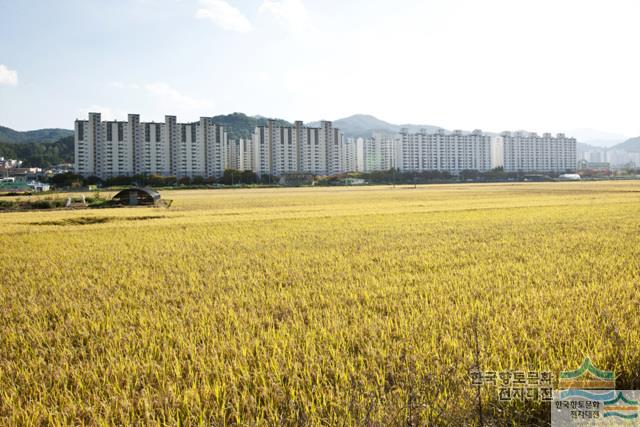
column 315, row 306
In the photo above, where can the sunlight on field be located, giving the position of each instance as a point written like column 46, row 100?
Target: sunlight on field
column 318, row 306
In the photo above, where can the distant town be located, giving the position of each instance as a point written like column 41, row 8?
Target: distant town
column 213, row 150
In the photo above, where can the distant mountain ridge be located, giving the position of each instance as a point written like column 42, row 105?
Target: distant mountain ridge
column 360, row 125
column 630, row 145
column 365, row 125
column 239, row 125
column 41, row 135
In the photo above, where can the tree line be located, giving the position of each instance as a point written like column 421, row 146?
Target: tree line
column 39, row 154
column 230, row 177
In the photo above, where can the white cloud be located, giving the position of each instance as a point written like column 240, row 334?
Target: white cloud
column 291, row 13
column 223, row 15
column 7, row 76
column 174, row 99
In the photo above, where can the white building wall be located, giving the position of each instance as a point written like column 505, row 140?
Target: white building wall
column 497, row 152
column 618, row 157
column 247, row 154
column 455, row 152
column 116, row 150
column 284, row 150
column 349, row 155
column 380, row 152
column 134, row 139
column 235, row 154
column 155, row 153
column 188, row 147
column 215, row 144
column 313, row 153
column 261, row 151
column 360, row 154
column 528, row 152
column 83, row 149
column 330, row 141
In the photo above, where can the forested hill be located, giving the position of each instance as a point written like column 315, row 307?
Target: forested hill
column 239, row 125
column 39, row 154
column 40, row 135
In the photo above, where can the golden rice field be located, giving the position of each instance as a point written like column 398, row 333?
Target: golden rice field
column 315, row 306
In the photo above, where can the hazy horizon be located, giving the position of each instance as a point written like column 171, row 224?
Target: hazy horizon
column 542, row 66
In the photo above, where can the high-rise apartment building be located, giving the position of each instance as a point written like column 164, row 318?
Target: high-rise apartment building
column 379, row 152
column 441, row 151
column 529, row 152
column 350, row 154
column 117, row 148
column 240, row 154
column 280, row 150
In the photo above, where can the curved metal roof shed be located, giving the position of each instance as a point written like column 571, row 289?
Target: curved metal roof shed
column 137, row 197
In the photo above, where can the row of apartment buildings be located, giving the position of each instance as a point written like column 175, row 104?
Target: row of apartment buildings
column 457, row 151
column 117, row 148
column 125, row 148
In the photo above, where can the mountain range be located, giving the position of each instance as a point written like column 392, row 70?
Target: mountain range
column 364, row 125
column 631, row 145
column 41, row 135
column 239, row 125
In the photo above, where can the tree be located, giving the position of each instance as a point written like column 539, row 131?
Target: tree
column 231, row 177
column 249, row 177
column 93, row 180
column 269, row 179
column 40, row 154
column 119, row 181
column 65, row 180
column 470, row 174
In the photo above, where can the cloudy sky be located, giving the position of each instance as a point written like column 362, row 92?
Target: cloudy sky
column 541, row 65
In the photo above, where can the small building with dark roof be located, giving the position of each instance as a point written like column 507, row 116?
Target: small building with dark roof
column 137, row 196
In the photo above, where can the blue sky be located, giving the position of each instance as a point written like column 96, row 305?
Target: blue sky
column 543, row 65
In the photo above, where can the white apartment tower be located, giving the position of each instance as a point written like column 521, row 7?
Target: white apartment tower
column 441, row 151
column 349, row 155
column 274, row 150
column 214, row 138
column 331, row 140
column 118, row 148
column 187, row 148
column 239, row 154
column 528, row 152
column 379, row 152
column 312, row 150
column 281, row 150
